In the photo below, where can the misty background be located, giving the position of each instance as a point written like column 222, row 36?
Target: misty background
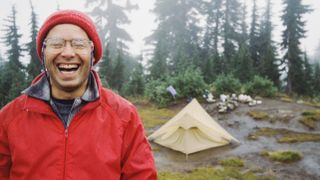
column 143, row 20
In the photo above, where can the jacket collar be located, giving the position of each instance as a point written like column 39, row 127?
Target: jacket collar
column 40, row 89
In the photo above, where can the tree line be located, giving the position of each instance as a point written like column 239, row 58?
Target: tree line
column 211, row 36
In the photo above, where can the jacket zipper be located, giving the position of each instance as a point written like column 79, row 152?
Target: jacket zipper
column 76, row 103
column 65, row 152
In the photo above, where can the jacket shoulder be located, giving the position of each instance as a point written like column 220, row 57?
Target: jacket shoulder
column 118, row 104
column 11, row 109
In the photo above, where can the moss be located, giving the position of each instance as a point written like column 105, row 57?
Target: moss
column 258, row 115
column 284, row 118
column 310, row 118
column 232, row 162
column 299, row 137
column 209, row 173
column 269, row 132
column 309, row 122
column 286, row 99
column 286, row 136
column 313, row 113
column 283, row 156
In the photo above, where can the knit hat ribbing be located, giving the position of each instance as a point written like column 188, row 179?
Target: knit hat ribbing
column 71, row 17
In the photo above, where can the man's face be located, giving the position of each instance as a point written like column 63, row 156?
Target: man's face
column 67, row 59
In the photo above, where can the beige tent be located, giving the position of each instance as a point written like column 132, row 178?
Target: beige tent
column 192, row 130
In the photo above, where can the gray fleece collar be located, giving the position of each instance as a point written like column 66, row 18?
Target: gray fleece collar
column 41, row 90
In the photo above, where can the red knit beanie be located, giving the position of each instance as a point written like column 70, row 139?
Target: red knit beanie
column 71, row 17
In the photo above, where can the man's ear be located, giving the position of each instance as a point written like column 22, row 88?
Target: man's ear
column 92, row 56
column 92, row 62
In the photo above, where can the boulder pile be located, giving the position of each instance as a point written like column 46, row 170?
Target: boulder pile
column 229, row 103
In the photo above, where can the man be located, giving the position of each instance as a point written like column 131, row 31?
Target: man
column 66, row 125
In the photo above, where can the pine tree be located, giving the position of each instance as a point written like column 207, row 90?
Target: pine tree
column 218, row 66
column 231, row 28
column 210, row 54
column 291, row 36
column 136, row 83
column 268, row 66
column 34, row 67
column 106, row 67
column 13, row 76
column 3, row 89
column 244, row 69
column 254, row 35
column 308, row 76
column 213, row 11
column 243, row 34
column 2, row 62
column 109, row 19
column 176, row 34
column 158, row 64
column 316, row 80
column 117, row 79
column 242, row 66
column 316, row 55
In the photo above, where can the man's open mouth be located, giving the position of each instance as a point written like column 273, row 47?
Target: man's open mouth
column 68, row 67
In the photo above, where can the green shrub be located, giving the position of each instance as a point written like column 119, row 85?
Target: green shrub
column 189, row 83
column 227, row 84
column 261, row 86
column 156, row 91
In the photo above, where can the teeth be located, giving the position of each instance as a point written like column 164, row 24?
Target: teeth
column 68, row 66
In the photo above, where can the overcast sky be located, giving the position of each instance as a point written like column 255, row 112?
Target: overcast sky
column 142, row 20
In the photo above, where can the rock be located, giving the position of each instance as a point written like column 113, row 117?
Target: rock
column 244, row 98
column 252, row 103
column 300, row 102
column 223, row 97
column 231, row 106
column 222, row 109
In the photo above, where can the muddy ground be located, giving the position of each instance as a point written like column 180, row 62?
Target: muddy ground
column 239, row 124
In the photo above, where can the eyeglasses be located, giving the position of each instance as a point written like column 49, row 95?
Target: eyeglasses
column 58, row 44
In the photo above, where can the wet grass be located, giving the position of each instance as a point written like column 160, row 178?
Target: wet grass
column 283, row 156
column 310, row 118
column 283, row 118
column 309, row 101
column 286, row 136
column 286, row 99
column 209, row 173
column 258, row 115
column 155, row 147
column 152, row 116
column 139, row 100
column 232, row 162
column 312, row 103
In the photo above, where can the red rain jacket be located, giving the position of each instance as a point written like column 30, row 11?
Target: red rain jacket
column 105, row 141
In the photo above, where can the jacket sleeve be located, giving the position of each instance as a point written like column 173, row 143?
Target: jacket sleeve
column 5, row 156
column 137, row 159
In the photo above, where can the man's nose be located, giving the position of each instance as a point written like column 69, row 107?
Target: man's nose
column 68, row 50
